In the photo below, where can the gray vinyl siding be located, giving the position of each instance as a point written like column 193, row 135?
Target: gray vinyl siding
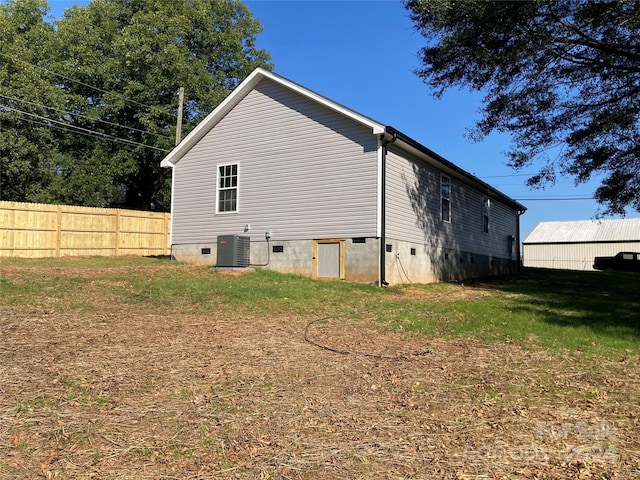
column 412, row 200
column 413, row 211
column 305, row 171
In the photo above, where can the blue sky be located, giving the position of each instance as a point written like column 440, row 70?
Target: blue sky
column 362, row 54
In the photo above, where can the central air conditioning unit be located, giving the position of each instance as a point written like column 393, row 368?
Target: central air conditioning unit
column 233, row 251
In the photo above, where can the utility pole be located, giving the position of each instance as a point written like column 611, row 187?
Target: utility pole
column 180, row 106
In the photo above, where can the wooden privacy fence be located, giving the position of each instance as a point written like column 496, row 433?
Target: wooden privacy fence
column 38, row 230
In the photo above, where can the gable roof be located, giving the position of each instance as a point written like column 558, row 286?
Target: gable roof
column 377, row 128
column 241, row 91
column 585, row 231
column 441, row 163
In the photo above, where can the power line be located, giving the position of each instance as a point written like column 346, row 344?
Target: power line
column 92, row 135
column 512, row 175
column 86, row 131
column 83, row 116
column 552, row 199
column 48, row 70
column 559, row 182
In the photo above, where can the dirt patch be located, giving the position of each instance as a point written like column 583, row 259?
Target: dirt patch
column 417, row 293
column 127, row 394
column 233, row 272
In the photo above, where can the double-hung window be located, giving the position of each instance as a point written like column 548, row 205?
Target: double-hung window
column 486, row 207
column 445, row 198
column 227, row 190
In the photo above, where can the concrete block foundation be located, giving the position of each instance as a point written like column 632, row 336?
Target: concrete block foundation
column 405, row 262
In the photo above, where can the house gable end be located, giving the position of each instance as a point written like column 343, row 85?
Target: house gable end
column 240, row 92
column 304, row 170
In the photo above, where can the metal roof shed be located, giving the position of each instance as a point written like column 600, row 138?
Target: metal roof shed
column 573, row 245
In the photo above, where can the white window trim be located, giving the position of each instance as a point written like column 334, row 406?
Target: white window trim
column 218, row 212
column 442, row 176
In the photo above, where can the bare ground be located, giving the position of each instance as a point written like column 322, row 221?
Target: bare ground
column 124, row 394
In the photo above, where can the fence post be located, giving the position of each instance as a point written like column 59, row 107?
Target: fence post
column 117, row 249
column 58, row 230
column 167, row 230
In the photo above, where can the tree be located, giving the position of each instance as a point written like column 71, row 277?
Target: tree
column 28, row 144
column 119, row 64
column 562, row 77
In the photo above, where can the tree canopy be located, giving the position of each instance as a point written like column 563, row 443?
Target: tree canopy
column 88, row 102
column 27, row 144
column 562, row 77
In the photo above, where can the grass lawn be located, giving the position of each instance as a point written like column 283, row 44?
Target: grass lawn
column 146, row 368
column 564, row 311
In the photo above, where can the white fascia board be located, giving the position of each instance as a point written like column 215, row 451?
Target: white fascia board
column 240, row 92
column 448, row 168
column 376, row 128
column 172, row 217
column 379, row 195
column 210, row 120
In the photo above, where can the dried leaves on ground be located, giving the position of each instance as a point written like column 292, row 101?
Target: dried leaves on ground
column 117, row 393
